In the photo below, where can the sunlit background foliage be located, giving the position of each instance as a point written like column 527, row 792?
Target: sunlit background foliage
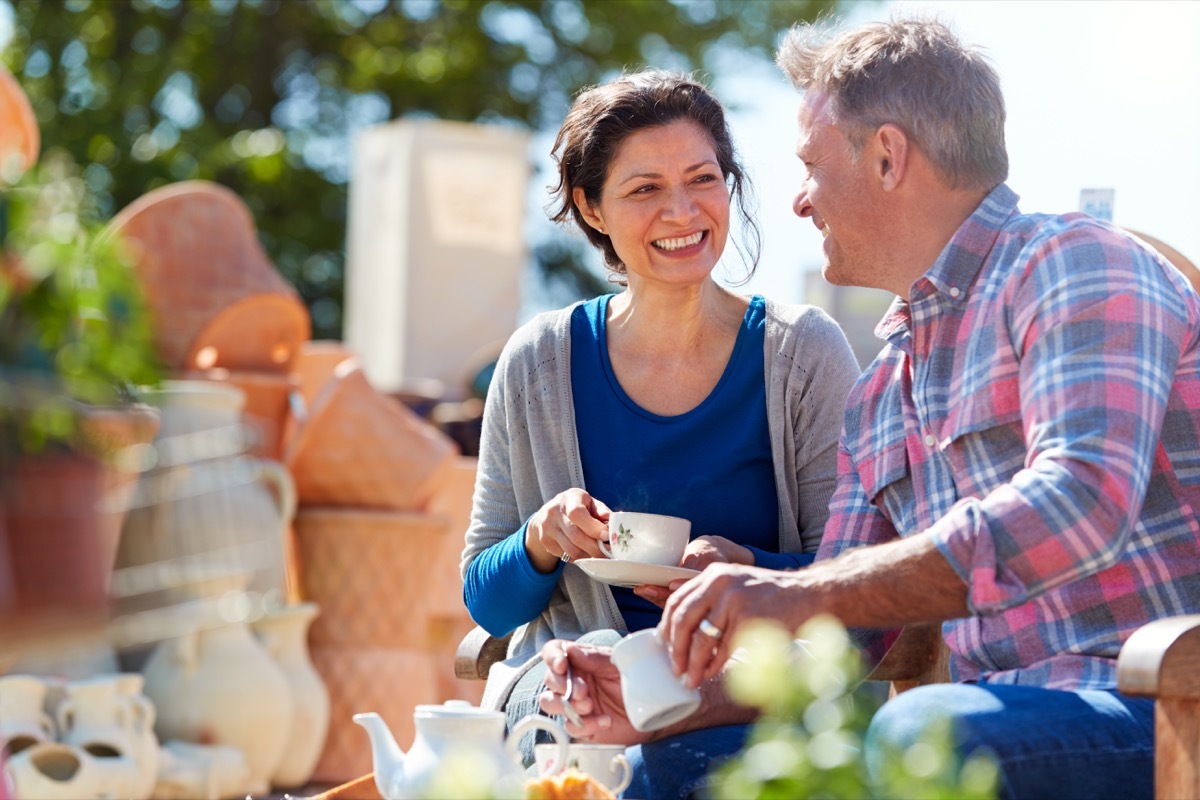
column 264, row 96
column 815, row 712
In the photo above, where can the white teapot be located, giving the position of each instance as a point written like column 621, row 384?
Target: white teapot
column 454, row 742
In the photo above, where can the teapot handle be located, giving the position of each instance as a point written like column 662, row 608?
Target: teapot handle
column 513, row 743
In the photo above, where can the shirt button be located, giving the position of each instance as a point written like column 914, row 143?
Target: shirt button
column 954, row 292
column 930, row 440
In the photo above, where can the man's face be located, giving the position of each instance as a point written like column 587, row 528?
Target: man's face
column 837, row 194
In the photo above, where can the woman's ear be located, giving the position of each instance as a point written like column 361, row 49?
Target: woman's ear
column 589, row 214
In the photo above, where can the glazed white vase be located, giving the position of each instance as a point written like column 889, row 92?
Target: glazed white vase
column 285, row 635
column 221, row 686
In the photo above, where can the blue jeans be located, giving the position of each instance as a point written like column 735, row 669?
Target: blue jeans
column 1049, row 743
column 680, row 767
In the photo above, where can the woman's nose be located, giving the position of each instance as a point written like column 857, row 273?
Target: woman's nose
column 680, row 205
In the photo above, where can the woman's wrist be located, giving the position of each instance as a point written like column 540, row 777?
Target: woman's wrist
column 541, row 560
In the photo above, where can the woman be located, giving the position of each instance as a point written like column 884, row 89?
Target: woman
column 675, row 396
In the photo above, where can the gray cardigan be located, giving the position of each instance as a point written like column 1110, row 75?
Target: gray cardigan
column 530, row 452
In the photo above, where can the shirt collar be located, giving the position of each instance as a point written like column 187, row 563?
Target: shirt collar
column 962, row 258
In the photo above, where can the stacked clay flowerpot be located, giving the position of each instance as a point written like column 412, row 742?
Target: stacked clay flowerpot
column 217, row 300
column 366, row 471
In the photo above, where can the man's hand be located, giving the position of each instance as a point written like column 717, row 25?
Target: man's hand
column 595, row 696
column 727, row 596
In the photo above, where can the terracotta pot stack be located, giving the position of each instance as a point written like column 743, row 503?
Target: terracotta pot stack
column 373, row 548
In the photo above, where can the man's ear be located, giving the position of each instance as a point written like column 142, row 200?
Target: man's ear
column 585, row 209
column 891, row 152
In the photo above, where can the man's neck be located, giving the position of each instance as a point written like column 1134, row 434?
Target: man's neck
column 933, row 217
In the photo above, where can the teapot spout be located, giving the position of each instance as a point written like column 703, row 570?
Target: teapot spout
column 386, row 756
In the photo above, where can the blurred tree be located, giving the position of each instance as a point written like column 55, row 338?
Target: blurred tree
column 264, row 96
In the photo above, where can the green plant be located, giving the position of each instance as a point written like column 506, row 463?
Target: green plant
column 74, row 328
column 808, row 741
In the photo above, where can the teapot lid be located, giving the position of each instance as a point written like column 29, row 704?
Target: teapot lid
column 459, row 709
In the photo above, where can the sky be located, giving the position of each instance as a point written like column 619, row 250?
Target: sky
column 1099, row 94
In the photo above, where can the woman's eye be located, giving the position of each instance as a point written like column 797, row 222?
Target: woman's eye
column 644, row 189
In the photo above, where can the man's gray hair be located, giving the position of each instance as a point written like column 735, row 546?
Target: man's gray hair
column 913, row 73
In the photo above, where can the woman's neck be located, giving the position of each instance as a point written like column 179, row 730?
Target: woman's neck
column 673, row 321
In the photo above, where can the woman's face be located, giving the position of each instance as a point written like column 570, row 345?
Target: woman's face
column 664, row 205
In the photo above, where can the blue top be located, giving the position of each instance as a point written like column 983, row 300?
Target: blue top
column 711, row 465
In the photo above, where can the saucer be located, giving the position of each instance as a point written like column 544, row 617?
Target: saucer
column 632, row 573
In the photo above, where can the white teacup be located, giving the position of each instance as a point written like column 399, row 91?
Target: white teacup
column 604, row 762
column 647, row 538
column 654, row 696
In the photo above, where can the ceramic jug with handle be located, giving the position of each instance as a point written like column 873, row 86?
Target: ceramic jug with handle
column 206, row 505
column 454, row 742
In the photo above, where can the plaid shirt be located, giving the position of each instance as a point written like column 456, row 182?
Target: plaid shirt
column 1037, row 411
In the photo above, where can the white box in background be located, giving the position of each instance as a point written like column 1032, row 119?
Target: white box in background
column 434, row 250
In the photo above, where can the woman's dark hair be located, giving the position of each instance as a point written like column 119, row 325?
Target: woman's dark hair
column 603, row 116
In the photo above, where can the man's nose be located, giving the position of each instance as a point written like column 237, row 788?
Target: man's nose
column 801, row 206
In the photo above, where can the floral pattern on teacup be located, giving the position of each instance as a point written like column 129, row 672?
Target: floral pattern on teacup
column 624, row 537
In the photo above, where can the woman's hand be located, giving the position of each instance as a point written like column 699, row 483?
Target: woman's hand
column 700, row 552
column 705, row 550
column 571, row 524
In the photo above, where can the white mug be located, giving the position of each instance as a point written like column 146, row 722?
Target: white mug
column 655, row 697
column 604, row 762
column 646, row 538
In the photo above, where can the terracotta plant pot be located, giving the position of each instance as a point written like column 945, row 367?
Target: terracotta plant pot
column 19, row 136
column 388, row 680
column 315, row 365
column 217, row 299
column 370, row 572
column 360, row 448
column 58, row 562
column 117, row 436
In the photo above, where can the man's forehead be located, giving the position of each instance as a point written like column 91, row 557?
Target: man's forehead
column 812, row 117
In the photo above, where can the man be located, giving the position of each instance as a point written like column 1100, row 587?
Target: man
column 1022, row 461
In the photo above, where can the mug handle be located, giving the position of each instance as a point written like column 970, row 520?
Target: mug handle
column 626, row 773
column 512, row 745
column 604, row 548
